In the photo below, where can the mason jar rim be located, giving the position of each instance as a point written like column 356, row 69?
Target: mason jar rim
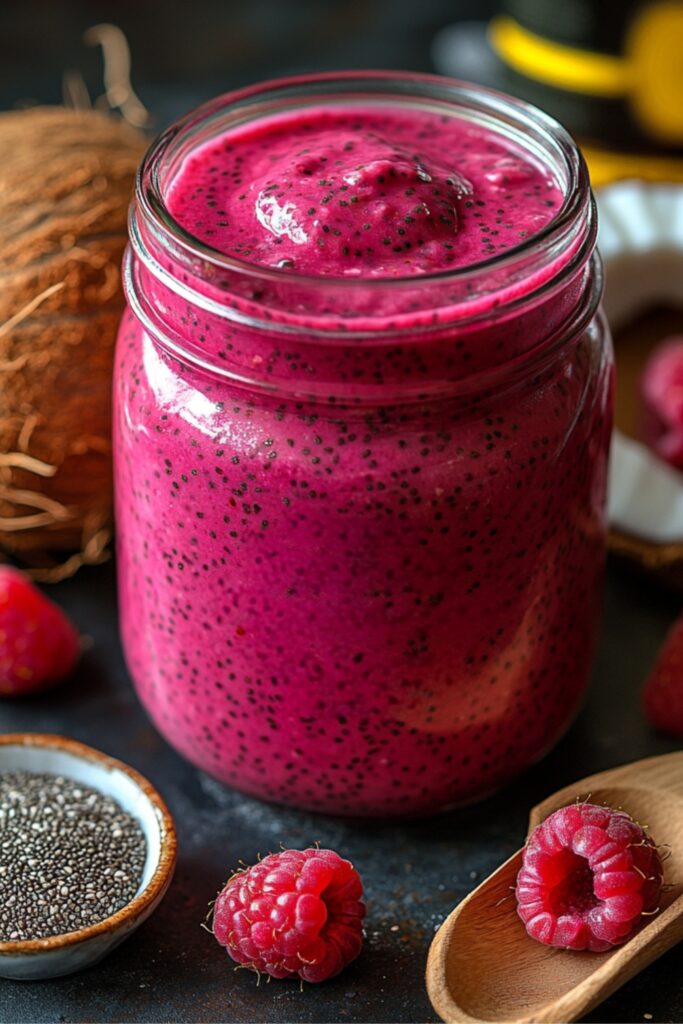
column 411, row 86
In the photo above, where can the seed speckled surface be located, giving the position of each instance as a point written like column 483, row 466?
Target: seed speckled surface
column 375, row 192
column 338, row 590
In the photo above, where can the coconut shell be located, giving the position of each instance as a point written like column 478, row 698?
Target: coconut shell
column 66, row 179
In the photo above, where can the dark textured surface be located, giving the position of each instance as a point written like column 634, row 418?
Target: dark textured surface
column 172, row 970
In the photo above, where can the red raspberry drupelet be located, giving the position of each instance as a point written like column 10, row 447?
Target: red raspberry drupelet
column 38, row 645
column 588, row 876
column 295, row 914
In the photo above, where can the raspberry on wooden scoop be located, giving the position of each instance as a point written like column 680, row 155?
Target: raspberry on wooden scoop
column 663, row 692
column 588, row 876
column 295, row 914
column 38, row 644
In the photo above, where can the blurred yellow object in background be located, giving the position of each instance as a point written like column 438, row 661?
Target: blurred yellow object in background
column 649, row 74
column 607, row 165
column 611, row 71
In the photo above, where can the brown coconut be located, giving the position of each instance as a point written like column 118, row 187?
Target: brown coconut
column 66, row 178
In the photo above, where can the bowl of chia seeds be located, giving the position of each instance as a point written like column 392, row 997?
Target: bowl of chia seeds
column 87, row 852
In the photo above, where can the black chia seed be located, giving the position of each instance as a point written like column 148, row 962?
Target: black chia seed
column 69, row 856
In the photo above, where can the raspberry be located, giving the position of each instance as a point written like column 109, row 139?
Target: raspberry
column 295, row 914
column 662, row 695
column 588, row 875
column 38, row 644
column 662, row 388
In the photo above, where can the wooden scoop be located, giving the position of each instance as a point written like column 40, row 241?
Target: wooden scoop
column 482, row 965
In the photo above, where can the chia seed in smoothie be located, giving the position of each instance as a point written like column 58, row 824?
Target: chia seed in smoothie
column 372, row 608
column 362, row 194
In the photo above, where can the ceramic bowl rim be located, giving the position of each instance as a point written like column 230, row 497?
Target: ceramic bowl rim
column 163, row 871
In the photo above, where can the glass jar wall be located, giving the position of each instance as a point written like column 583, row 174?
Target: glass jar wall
column 361, row 519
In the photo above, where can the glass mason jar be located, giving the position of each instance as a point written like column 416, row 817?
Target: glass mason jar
column 361, row 524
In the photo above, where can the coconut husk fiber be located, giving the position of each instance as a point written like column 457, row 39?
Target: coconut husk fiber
column 66, row 178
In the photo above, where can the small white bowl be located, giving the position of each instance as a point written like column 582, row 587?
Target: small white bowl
column 56, row 755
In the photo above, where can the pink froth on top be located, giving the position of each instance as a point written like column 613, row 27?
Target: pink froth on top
column 362, row 193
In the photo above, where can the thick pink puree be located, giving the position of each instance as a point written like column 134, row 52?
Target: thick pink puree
column 378, row 194
column 373, row 609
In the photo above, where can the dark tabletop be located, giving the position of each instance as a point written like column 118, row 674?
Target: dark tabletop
column 414, row 873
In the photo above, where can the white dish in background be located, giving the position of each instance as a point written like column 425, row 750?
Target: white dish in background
column 640, row 237
column 57, row 755
column 646, row 495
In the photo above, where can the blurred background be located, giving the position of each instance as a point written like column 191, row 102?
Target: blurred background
column 609, row 70
column 183, row 53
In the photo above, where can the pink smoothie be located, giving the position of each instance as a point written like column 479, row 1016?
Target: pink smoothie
column 374, row 194
column 380, row 608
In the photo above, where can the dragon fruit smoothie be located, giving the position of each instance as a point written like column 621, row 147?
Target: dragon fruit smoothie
column 360, row 481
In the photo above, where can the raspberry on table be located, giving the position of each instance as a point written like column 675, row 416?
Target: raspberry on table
column 662, row 696
column 662, row 388
column 588, row 876
column 295, row 914
column 38, row 644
